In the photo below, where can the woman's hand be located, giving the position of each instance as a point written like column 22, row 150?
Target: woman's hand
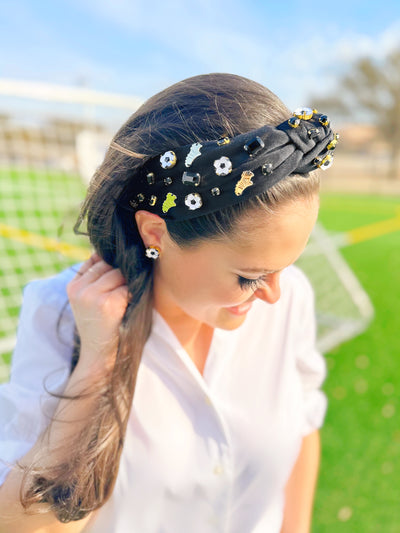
column 98, row 295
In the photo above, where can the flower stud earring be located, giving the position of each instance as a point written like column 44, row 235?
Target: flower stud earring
column 153, row 252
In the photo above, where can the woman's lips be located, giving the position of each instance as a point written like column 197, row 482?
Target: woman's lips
column 241, row 309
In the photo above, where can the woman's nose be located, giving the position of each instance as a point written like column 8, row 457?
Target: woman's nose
column 271, row 291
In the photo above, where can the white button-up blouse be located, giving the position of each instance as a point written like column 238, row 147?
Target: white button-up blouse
column 204, row 453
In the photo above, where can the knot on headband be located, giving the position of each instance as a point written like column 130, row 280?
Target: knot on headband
column 203, row 177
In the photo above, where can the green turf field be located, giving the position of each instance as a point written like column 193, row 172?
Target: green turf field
column 37, row 212
column 358, row 489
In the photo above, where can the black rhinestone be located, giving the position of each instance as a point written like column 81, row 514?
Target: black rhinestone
column 168, row 181
column 324, row 120
column 294, row 122
column 254, row 146
column 150, row 178
column 266, row 169
column 215, row 191
column 191, row 178
column 314, row 132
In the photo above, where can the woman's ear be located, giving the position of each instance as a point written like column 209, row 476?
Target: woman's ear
column 151, row 227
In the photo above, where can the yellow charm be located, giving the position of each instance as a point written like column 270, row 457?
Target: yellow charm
column 244, row 182
column 333, row 143
column 169, row 202
column 224, row 140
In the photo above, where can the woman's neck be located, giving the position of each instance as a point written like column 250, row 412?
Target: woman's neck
column 194, row 336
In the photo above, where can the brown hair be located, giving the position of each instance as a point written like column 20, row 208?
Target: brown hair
column 201, row 108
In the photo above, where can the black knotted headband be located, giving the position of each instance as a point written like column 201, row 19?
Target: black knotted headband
column 203, row 177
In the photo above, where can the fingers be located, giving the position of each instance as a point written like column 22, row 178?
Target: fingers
column 92, row 269
column 87, row 265
column 98, row 274
column 109, row 279
column 96, row 271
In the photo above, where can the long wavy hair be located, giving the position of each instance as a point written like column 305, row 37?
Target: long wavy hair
column 197, row 109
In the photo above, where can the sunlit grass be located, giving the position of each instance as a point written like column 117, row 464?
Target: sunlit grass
column 358, row 489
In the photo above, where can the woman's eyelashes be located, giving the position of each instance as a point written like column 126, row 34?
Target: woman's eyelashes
column 254, row 284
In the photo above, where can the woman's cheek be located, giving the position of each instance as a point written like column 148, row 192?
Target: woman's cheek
column 233, row 295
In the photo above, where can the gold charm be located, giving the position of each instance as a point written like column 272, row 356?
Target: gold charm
column 193, row 154
column 153, row 200
column 244, row 182
column 224, row 140
column 169, row 202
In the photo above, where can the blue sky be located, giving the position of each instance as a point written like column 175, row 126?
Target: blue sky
column 138, row 47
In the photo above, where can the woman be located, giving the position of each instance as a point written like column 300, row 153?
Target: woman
column 190, row 401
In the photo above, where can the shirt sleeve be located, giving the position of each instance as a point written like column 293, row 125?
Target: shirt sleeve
column 309, row 362
column 40, row 366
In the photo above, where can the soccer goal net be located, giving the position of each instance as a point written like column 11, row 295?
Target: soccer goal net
column 51, row 140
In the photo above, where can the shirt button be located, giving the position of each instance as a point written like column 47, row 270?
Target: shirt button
column 218, row 470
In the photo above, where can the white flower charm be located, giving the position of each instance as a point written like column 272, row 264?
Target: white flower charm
column 223, row 166
column 168, row 160
column 193, row 201
column 153, row 252
column 305, row 113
